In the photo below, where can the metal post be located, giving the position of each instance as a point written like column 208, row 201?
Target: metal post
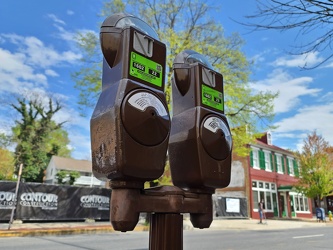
column 166, row 231
column 16, row 192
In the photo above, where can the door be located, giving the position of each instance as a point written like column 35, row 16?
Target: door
column 275, row 205
column 283, row 202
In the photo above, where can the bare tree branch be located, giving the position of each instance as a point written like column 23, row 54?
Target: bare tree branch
column 305, row 16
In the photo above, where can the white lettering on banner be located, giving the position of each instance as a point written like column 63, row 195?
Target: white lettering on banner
column 43, row 200
column 95, row 201
column 7, row 200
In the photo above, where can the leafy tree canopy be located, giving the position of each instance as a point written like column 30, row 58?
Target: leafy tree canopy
column 37, row 137
column 6, row 164
column 67, row 177
column 187, row 24
column 316, row 167
column 5, row 140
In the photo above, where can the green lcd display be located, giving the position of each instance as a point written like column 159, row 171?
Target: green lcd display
column 212, row 98
column 145, row 69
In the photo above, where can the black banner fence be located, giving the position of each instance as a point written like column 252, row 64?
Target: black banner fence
column 52, row 202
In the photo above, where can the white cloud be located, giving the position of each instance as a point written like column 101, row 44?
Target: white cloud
column 56, row 19
column 65, row 34
column 39, row 55
column 307, row 60
column 290, row 89
column 15, row 75
column 328, row 65
column 51, row 72
column 328, row 97
column 46, row 56
column 81, row 144
column 261, row 56
column 29, row 62
column 72, row 118
column 308, row 119
column 70, row 12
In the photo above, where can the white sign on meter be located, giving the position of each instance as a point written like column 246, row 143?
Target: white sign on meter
column 143, row 100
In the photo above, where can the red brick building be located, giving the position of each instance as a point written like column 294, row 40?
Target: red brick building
column 269, row 173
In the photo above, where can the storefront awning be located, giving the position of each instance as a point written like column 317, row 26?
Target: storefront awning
column 286, row 188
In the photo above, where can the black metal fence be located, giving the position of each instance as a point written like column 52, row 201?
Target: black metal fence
column 52, row 202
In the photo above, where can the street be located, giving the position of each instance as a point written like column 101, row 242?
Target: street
column 300, row 238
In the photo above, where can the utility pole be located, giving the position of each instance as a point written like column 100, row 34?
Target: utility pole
column 16, row 199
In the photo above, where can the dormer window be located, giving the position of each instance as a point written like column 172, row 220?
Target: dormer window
column 269, row 138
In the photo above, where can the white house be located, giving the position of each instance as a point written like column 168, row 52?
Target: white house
column 84, row 167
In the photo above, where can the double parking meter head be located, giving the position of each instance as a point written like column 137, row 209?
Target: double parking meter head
column 130, row 125
column 200, row 140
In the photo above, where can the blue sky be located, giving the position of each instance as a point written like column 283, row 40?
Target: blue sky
column 38, row 54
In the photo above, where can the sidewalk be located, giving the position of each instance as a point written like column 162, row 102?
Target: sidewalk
column 63, row 228
column 273, row 224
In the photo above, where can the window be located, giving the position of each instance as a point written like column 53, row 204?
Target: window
column 268, row 161
column 255, row 199
column 262, row 160
column 267, row 192
column 268, row 201
column 290, row 165
column 255, row 158
column 269, row 138
column 300, row 202
column 278, row 163
column 296, row 168
column 306, row 205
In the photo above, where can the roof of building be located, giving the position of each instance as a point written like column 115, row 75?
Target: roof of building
column 263, row 143
column 72, row 164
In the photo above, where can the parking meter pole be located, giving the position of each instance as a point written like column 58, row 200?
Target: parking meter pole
column 166, row 231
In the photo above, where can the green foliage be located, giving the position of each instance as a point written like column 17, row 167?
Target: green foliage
column 6, row 164
column 62, row 176
column 316, row 167
column 37, row 137
column 165, row 179
column 67, row 177
column 188, row 25
column 73, row 175
column 5, row 140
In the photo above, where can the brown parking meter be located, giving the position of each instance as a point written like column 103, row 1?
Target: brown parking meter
column 130, row 130
column 200, row 140
column 130, row 124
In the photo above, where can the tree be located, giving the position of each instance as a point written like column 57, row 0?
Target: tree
column 62, row 176
column 316, row 168
column 37, row 137
column 67, row 177
column 305, row 16
column 6, row 164
column 5, row 140
column 182, row 25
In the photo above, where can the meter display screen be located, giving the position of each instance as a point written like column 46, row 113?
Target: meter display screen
column 145, row 69
column 212, row 98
